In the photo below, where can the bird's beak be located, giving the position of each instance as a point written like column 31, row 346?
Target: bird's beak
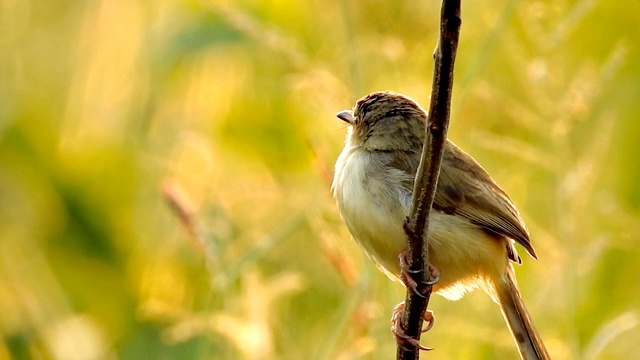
column 346, row 116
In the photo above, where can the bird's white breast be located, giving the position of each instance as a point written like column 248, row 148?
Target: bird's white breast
column 370, row 207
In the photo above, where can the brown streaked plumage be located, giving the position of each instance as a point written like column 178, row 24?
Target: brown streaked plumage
column 473, row 224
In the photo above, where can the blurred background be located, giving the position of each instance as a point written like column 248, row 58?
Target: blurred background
column 165, row 170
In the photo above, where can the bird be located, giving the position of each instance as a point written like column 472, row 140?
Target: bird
column 473, row 227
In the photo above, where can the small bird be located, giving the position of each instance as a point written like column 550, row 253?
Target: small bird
column 473, row 223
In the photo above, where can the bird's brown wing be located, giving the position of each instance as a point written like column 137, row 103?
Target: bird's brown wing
column 466, row 189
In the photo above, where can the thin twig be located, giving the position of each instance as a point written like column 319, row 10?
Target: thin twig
column 417, row 224
column 179, row 205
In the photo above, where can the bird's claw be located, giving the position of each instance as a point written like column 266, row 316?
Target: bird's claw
column 402, row 339
column 434, row 276
column 430, row 319
column 406, row 275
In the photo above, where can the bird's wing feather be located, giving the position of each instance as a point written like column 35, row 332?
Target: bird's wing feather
column 466, row 189
column 482, row 201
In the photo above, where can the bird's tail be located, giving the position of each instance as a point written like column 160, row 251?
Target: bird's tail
column 517, row 317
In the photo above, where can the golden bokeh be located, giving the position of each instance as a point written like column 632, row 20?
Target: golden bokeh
column 165, row 170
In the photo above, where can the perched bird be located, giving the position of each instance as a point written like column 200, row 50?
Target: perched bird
column 473, row 223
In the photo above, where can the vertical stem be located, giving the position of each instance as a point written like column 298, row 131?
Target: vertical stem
column 417, row 224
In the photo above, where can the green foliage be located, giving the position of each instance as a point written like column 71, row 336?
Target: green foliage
column 165, row 171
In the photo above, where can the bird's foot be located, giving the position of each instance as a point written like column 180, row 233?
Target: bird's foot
column 402, row 339
column 406, row 275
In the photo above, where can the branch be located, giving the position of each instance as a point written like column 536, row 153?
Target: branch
column 417, row 224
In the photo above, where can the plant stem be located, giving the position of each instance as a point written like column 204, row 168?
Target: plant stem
column 417, row 224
